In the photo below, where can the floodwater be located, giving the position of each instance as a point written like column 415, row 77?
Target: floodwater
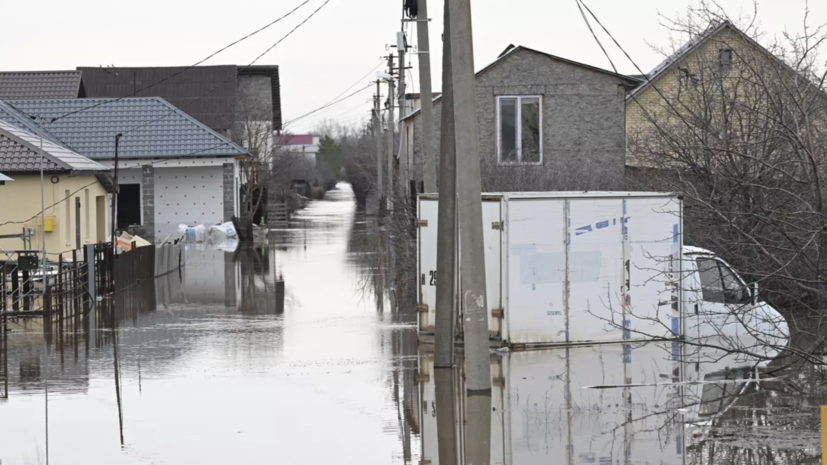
column 218, row 366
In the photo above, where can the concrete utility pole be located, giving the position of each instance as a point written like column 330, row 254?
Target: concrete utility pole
column 447, row 220
column 473, row 298
column 391, row 93
column 377, row 132
column 400, row 47
column 429, row 175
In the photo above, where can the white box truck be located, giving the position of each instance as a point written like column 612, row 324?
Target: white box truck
column 593, row 267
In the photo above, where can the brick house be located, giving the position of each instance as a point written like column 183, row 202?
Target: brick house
column 545, row 123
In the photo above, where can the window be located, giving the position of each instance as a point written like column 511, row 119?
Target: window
column 725, row 58
column 520, row 128
column 86, row 210
column 720, row 284
column 67, row 215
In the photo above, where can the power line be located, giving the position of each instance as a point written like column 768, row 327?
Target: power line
column 230, row 77
column 326, row 106
column 343, row 92
column 185, row 69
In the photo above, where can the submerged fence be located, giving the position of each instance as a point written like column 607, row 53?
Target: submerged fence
column 65, row 293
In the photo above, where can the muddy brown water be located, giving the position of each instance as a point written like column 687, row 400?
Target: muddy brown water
column 214, row 367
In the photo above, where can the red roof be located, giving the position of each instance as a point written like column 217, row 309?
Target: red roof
column 301, row 139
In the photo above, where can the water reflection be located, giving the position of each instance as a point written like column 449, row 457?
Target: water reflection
column 217, row 365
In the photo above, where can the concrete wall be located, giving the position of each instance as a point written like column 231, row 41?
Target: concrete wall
column 20, row 201
column 583, row 120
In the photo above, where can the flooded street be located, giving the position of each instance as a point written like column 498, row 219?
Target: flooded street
column 218, row 366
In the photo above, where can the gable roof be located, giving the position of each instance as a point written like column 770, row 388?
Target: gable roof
column 511, row 49
column 152, row 128
column 687, row 48
column 4, row 178
column 184, row 87
column 40, row 84
column 20, row 153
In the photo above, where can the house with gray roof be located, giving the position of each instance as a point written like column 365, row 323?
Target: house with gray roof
column 41, row 84
column 172, row 168
column 74, row 192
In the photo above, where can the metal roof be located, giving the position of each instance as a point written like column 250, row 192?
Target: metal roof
column 152, row 128
column 40, row 84
column 207, row 93
column 20, row 153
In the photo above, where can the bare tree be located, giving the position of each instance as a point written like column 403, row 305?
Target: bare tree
column 743, row 135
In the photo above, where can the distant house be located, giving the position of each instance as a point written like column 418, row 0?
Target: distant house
column 545, row 123
column 41, row 84
column 217, row 96
column 301, row 145
column 71, row 181
column 172, row 170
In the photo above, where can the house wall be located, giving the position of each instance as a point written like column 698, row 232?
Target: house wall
column 183, row 192
column 583, row 120
column 659, row 102
column 20, row 201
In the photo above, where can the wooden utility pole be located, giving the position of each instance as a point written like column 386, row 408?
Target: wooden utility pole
column 446, row 222
column 391, row 130
column 429, row 174
column 469, row 196
column 377, row 132
column 403, row 162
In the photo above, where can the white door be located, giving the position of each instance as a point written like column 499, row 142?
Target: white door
column 426, row 266
column 492, row 241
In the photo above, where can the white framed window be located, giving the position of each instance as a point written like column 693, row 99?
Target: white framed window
column 520, row 129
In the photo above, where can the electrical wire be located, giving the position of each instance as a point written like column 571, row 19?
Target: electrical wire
column 326, row 106
column 185, row 69
column 173, row 110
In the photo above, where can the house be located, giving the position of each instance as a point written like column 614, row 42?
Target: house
column 545, row 123
column 220, row 97
column 41, row 84
column 74, row 193
column 305, row 146
column 172, row 169
column 692, row 89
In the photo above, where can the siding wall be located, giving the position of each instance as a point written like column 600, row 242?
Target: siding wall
column 20, row 200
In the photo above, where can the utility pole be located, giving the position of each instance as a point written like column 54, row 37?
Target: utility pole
column 469, row 201
column 391, row 93
column 115, row 204
column 429, row 175
column 401, row 49
column 377, row 132
column 447, row 220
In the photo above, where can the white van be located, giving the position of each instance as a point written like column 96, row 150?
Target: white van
column 568, row 268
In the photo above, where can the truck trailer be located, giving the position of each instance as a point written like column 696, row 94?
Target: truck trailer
column 566, row 268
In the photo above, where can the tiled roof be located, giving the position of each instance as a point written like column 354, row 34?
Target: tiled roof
column 40, row 84
column 20, row 153
column 151, row 128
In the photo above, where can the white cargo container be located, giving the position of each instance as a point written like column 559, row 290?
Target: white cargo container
column 588, row 267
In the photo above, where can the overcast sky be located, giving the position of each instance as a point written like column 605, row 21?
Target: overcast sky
column 343, row 42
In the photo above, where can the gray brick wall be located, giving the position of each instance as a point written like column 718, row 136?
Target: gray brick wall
column 148, row 201
column 583, row 121
column 228, row 181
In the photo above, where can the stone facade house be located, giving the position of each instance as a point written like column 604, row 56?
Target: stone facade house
column 545, row 123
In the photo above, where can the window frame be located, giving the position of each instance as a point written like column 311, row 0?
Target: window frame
column 519, row 127
column 719, row 265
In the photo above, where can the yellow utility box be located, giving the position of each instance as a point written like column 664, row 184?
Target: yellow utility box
column 48, row 224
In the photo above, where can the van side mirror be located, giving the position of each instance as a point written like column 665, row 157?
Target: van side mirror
column 754, row 289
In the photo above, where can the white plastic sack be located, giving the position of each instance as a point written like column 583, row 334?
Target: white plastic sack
column 222, row 231
column 193, row 234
